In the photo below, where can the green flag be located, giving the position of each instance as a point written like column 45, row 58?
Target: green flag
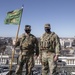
column 14, row 17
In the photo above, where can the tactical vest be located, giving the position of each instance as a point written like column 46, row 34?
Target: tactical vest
column 48, row 42
column 27, row 43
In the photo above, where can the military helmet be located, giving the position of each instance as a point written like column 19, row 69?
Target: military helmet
column 27, row 27
column 47, row 25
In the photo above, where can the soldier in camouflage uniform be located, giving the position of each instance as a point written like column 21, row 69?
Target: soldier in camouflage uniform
column 49, row 51
column 27, row 43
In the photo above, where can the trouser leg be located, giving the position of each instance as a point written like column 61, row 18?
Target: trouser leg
column 20, row 65
column 44, row 63
column 19, row 69
column 30, row 64
column 45, row 66
column 52, row 66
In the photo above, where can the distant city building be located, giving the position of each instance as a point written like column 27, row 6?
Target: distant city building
column 67, row 42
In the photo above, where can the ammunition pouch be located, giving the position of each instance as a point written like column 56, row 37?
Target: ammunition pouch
column 45, row 44
column 47, row 49
column 44, row 48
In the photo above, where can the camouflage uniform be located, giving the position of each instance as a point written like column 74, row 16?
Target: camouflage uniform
column 49, row 47
column 27, row 45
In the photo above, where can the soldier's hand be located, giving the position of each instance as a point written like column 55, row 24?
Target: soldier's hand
column 40, row 58
column 14, row 42
column 55, row 57
column 35, row 56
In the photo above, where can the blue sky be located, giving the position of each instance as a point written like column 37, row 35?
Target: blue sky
column 59, row 13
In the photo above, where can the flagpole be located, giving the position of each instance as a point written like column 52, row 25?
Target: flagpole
column 13, row 50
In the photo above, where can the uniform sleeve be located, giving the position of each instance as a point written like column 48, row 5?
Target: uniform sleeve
column 36, row 47
column 58, row 47
column 41, row 40
column 40, row 51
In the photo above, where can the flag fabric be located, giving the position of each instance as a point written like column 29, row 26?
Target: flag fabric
column 14, row 17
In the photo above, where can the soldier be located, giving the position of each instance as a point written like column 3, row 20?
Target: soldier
column 49, row 51
column 27, row 43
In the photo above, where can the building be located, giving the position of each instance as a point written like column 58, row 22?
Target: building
column 67, row 42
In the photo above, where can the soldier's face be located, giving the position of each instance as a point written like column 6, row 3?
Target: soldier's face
column 47, row 30
column 27, row 31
